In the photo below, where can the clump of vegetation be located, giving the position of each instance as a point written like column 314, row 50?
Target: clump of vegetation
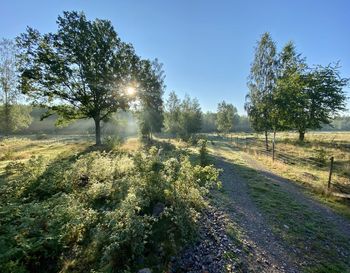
column 182, row 118
column 99, row 211
column 112, row 142
column 203, row 152
column 321, row 156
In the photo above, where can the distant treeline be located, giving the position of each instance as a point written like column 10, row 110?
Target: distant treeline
column 240, row 123
column 125, row 124
column 121, row 123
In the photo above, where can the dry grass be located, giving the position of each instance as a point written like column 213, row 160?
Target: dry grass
column 306, row 162
column 313, row 178
column 131, row 145
column 21, row 149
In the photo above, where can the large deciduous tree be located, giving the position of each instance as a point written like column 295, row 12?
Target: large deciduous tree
column 306, row 98
column 13, row 116
column 317, row 98
column 261, row 83
column 80, row 71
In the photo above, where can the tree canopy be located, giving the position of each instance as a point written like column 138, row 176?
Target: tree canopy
column 183, row 118
column 81, row 71
column 261, row 83
column 285, row 93
column 150, row 91
column 13, row 116
column 225, row 117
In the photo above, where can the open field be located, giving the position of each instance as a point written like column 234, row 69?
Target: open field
column 23, row 148
column 307, row 162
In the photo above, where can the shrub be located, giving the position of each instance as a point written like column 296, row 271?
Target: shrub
column 112, row 142
column 203, row 153
column 321, row 156
column 100, row 211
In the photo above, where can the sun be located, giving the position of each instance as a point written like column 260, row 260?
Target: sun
column 130, row 90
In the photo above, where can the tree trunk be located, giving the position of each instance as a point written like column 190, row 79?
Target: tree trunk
column 266, row 141
column 273, row 145
column 6, row 111
column 7, row 118
column 98, row 131
column 301, row 135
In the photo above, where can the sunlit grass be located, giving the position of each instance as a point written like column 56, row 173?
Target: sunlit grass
column 131, row 145
column 22, row 149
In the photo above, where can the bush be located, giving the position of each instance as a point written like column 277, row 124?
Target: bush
column 321, row 156
column 203, row 153
column 112, row 142
column 100, row 211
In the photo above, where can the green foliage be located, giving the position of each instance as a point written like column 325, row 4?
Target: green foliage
column 203, row 152
column 321, row 156
column 150, row 91
column 84, row 64
column 13, row 116
column 183, row 118
column 208, row 122
column 112, row 142
column 262, row 80
column 99, row 211
column 314, row 96
column 225, row 117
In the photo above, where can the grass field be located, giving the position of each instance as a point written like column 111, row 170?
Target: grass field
column 306, row 163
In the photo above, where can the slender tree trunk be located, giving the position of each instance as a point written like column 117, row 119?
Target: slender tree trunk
column 266, row 141
column 98, row 131
column 7, row 118
column 6, row 111
column 273, row 145
column 301, row 135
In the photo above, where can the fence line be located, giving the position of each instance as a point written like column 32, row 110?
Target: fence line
column 292, row 160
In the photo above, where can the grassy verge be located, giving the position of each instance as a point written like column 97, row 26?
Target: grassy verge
column 316, row 184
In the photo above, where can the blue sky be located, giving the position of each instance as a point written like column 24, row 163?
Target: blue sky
column 206, row 46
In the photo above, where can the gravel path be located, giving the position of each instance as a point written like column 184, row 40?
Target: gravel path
column 209, row 254
column 267, row 252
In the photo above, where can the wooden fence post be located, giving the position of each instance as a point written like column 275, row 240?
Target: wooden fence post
column 330, row 173
column 273, row 145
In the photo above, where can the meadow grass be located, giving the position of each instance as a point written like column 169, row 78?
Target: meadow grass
column 22, row 149
column 306, row 163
